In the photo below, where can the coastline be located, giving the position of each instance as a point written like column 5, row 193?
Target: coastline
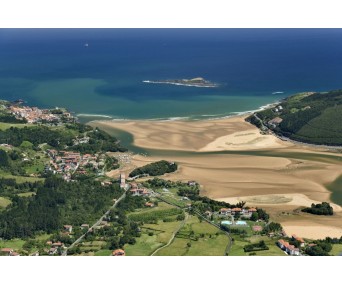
column 244, row 171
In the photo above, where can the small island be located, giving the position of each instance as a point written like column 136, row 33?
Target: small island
column 195, row 82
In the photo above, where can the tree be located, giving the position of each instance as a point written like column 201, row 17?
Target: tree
column 26, row 145
column 255, row 216
column 4, row 162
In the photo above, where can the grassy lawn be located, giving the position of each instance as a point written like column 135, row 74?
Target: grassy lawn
column 207, row 243
column 161, row 206
column 43, row 237
column 4, row 125
column 94, row 246
column 176, row 248
column 15, row 244
column 103, row 252
column 146, row 244
column 239, row 243
column 216, row 245
column 36, row 167
column 4, row 202
column 20, row 179
column 336, row 249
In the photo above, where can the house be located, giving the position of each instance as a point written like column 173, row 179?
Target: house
column 192, row 183
column 14, row 254
column 149, row 204
column 275, row 122
column 208, row 213
column 6, row 251
column 118, row 252
column 53, row 251
column 225, row 211
column 36, row 253
column 300, row 240
column 67, row 228
column 289, row 249
column 140, row 192
column 58, row 244
column 236, row 210
column 85, row 226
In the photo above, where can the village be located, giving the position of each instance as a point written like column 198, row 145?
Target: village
column 73, row 163
column 32, row 115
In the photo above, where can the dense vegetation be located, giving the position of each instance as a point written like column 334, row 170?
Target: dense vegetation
column 56, row 203
column 256, row 247
column 319, row 209
column 61, row 138
column 155, row 169
column 10, row 118
column 311, row 118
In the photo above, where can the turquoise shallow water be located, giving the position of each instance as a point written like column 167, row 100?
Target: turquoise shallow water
column 53, row 68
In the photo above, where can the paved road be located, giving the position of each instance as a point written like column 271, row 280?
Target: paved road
column 97, row 223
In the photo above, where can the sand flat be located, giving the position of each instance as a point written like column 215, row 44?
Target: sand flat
column 205, row 135
column 313, row 231
column 275, row 183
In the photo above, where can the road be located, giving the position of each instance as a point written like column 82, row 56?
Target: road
column 97, row 223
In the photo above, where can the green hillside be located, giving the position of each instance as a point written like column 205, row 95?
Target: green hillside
column 307, row 117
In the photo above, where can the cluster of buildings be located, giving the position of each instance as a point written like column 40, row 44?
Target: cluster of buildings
column 55, row 248
column 68, row 163
column 291, row 249
column 8, row 252
column 247, row 213
column 137, row 190
column 37, row 115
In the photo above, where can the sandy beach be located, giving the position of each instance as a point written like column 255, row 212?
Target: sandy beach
column 280, row 184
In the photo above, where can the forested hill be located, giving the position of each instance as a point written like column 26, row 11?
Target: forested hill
column 306, row 117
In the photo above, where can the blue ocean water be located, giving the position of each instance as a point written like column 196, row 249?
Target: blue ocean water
column 53, row 67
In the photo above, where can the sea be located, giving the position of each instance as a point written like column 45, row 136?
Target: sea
column 99, row 73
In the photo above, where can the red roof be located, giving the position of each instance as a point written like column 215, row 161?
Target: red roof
column 6, row 250
column 119, row 252
column 236, row 209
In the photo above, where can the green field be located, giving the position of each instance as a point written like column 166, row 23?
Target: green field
column 197, row 238
column 94, row 246
column 103, row 252
column 239, row 243
column 146, row 245
column 336, row 249
column 19, row 179
column 4, row 125
column 15, row 244
column 4, row 202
